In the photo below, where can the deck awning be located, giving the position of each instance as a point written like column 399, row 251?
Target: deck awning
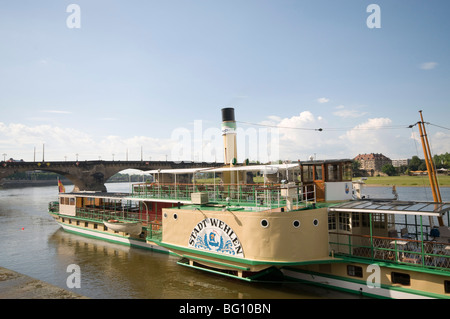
column 177, row 171
column 393, row 207
column 268, row 169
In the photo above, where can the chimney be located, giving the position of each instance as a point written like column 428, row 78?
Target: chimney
column 229, row 136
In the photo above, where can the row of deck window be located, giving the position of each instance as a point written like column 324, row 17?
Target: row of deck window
column 86, row 224
column 396, row 277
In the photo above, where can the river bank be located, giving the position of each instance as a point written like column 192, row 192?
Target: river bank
column 31, row 183
column 404, row 181
column 14, row 285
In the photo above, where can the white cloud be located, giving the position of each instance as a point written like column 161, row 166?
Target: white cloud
column 299, row 136
column 428, row 65
column 343, row 112
column 376, row 136
column 440, row 142
column 295, row 137
column 323, row 100
column 20, row 141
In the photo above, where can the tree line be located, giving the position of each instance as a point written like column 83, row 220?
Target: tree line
column 416, row 164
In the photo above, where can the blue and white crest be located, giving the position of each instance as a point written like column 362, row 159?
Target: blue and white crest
column 214, row 235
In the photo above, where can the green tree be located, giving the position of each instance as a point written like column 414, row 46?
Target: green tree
column 389, row 170
column 414, row 163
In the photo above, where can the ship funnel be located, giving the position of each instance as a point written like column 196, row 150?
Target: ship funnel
column 229, row 135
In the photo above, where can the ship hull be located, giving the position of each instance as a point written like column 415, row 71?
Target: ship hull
column 420, row 285
column 108, row 236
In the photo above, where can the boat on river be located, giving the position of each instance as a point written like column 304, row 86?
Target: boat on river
column 306, row 221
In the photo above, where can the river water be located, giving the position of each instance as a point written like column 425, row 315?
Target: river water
column 32, row 243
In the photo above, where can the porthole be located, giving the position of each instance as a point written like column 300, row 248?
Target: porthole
column 315, row 222
column 296, row 223
column 175, row 216
column 264, row 223
column 165, row 215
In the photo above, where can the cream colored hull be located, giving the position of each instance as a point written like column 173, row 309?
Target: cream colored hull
column 246, row 240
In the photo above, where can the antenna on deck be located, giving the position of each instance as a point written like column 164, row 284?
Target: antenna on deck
column 430, row 166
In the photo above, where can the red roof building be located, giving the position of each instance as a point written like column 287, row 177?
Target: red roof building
column 372, row 162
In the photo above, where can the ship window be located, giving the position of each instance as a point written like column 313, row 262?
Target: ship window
column 296, row 223
column 447, row 286
column 332, row 221
column 86, row 224
column 355, row 220
column 354, row 271
column 315, row 222
column 333, row 172
column 264, row 223
column 347, row 172
column 344, row 221
column 72, row 201
column 307, row 173
column 95, row 226
column 318, row 173
column 365, row 220
column 400, row 278
column 379, row 221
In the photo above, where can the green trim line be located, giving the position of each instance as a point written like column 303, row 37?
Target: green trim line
column 363, row 282
column 216, row 262
column 213, row 271
column 410, row 267
column 251, row 262
column 327, row 286
column 110, row 240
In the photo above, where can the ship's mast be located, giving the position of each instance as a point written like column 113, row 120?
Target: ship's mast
column 430, row 165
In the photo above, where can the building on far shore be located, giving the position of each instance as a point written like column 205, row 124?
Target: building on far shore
column 400, row 162
column 372, row 163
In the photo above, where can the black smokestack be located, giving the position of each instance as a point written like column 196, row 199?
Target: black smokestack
column 228, row 114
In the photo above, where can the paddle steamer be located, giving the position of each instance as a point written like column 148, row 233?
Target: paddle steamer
column 306, row 221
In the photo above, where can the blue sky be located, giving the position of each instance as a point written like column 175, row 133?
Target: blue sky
column 137, row 73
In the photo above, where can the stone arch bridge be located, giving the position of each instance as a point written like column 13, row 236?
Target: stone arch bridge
column 92, row 175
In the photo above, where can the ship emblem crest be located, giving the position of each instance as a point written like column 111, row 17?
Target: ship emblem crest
column 214, row 235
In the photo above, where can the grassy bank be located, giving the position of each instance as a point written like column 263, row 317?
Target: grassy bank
column 444, row 181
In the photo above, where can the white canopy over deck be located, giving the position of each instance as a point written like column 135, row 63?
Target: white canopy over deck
column 177, row 171
column 267, row 168
column 393, row 207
